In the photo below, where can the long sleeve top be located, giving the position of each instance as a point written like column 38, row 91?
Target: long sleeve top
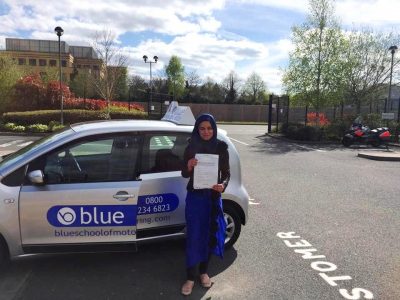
column 224, row 173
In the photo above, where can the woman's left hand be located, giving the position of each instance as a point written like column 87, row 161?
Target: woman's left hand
column 218, row 187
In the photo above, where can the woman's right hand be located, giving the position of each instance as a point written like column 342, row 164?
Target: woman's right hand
column 191, row 164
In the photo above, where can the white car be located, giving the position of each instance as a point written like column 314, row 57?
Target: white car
column 104, row 186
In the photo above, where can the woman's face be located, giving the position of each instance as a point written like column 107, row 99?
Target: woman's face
column 206, row 131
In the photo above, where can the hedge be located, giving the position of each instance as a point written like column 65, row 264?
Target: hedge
column 70, row 116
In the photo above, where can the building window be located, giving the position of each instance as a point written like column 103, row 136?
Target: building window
column 32, row 62
column 21, row 61
column 95, row 67
column 64, row 63
column 53, row 63
column 42, row 62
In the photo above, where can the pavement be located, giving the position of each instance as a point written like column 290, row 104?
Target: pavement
column 391, row 153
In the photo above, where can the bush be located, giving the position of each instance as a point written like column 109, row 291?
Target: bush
column 300, row 132
column 335, row 130
column 19, row 128
column 312, row 119
column 137, row 115
column 9, row 126
column 70, row 116
column 13, row 127
column 53, row 124
column 37, row 128
column 46, row 116
column 57, row 127
column 394, row 129
column 373, row 120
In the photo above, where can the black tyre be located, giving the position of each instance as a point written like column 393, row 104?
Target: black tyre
column 376, row 143
column 347, row 142
column 4, row 254
column 233, row 225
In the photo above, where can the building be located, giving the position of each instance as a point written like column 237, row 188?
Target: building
column 42, row 56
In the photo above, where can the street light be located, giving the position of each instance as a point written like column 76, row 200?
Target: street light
column 59, row 31
column 145, row 58
column 392, row 49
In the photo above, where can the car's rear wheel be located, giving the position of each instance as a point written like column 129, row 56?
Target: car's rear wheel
column 233, row 225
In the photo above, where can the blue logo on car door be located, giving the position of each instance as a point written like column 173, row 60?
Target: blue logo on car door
column 92, row 215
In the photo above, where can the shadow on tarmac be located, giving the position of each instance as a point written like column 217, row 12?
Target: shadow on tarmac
column 273, row 145
column 156, row 271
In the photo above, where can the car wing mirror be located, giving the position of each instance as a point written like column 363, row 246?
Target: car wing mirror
column 36, row 177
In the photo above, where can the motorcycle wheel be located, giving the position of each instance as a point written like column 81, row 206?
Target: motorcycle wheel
column 347, row 142
column 376, row 143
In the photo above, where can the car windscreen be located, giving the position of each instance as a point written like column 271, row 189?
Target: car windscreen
column 30, row 149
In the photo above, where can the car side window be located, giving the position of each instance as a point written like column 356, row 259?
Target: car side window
column 163, row 152
column 97, row 159
column 16, row 178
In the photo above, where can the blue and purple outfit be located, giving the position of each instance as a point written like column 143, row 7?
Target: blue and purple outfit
column 204, row 215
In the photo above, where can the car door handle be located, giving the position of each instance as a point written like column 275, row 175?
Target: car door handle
column 123, row 196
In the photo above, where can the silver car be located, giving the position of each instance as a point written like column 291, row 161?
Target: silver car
column 104, row 186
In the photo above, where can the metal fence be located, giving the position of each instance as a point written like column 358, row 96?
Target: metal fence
column 278, row 110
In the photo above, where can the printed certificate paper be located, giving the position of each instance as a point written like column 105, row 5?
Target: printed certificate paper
column 206, row 171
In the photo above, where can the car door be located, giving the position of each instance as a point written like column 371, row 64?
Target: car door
column 89, row 194
column 161, row 202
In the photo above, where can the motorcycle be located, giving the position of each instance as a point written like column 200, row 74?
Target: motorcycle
column 362, row 134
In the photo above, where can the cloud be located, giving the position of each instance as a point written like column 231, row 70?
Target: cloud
column 298, row 5
column 172, row 17
column 369, row 12
column 211, row 56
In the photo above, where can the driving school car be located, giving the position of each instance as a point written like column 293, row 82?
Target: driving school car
column 105, row 186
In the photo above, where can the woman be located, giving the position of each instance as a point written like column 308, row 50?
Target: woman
column 204, row 215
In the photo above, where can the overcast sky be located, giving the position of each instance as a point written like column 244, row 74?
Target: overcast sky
column 212, row 37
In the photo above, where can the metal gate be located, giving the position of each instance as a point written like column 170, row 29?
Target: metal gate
column 278, row 111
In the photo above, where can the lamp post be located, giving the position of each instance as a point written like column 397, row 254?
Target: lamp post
column 392, row 49
column 145, row 58
column 59, row 31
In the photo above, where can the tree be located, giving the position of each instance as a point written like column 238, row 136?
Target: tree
column 254, row 87
column 368, row 67
column 113, row 66
column 137, row 86
column 176, row 77
column 121, row 89
column 192, row 83
column 231, row 84
column 9, row 74
column 51, row 74
column 31, row 93
column 211, row 92
column 81, row 84
column 315, row 74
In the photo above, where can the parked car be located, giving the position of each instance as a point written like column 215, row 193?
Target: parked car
column 102, row 186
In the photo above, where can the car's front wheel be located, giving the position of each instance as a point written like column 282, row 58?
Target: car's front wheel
column 4, row 255
column 233, row 225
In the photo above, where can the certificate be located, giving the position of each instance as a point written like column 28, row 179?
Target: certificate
column 205, row 173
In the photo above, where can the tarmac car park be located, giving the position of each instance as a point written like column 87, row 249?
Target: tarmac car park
column 105, row 186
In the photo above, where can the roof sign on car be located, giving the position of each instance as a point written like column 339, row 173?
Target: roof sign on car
column 181, row 115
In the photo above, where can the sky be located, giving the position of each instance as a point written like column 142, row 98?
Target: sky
column 211, row 37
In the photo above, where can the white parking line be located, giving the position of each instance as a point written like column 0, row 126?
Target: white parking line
column 238, row 141
column 251, row 202
column 308, row 148
column 10, row 143
column 25, row 144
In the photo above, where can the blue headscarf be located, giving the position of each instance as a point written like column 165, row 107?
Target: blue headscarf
column 199, row 145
